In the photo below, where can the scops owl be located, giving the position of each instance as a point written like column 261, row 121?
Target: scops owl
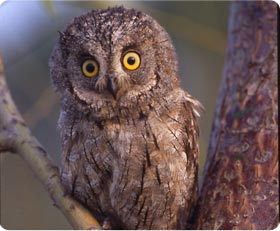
column 129, row 132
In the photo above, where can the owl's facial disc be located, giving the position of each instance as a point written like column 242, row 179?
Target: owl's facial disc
column 114, row 59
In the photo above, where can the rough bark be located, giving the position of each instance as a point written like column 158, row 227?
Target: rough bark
column 16, row 137
column 240, row 188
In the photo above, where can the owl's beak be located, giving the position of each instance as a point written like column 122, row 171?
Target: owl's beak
column 112, row 87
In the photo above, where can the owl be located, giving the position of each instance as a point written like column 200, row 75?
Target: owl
column 129, row 133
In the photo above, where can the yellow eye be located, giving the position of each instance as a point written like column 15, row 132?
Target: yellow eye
column 131, row 60
column 90, row 68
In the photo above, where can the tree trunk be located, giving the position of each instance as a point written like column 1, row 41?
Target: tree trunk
column 240, row 188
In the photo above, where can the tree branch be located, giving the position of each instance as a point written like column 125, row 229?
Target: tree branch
column 16, row 137
column 240, row 188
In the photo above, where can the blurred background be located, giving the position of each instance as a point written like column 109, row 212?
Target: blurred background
column 28, row 32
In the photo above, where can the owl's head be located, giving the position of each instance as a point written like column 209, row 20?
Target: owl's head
column 113, row 61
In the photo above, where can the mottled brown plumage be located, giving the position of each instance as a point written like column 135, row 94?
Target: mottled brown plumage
column 129, row 137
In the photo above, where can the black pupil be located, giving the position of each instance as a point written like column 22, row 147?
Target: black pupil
column 131, row 60
column 90, row 68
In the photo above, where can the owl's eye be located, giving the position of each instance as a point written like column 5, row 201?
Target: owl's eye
column 90, row 68
column 131, row 60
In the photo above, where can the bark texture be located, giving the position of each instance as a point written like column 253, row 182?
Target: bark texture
column 240, row 189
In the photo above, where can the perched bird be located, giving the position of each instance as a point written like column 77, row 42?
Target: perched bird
column 129, row 132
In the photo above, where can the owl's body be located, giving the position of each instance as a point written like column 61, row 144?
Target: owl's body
column 130, row 135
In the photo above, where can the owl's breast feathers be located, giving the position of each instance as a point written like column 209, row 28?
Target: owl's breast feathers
column 141, row 173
